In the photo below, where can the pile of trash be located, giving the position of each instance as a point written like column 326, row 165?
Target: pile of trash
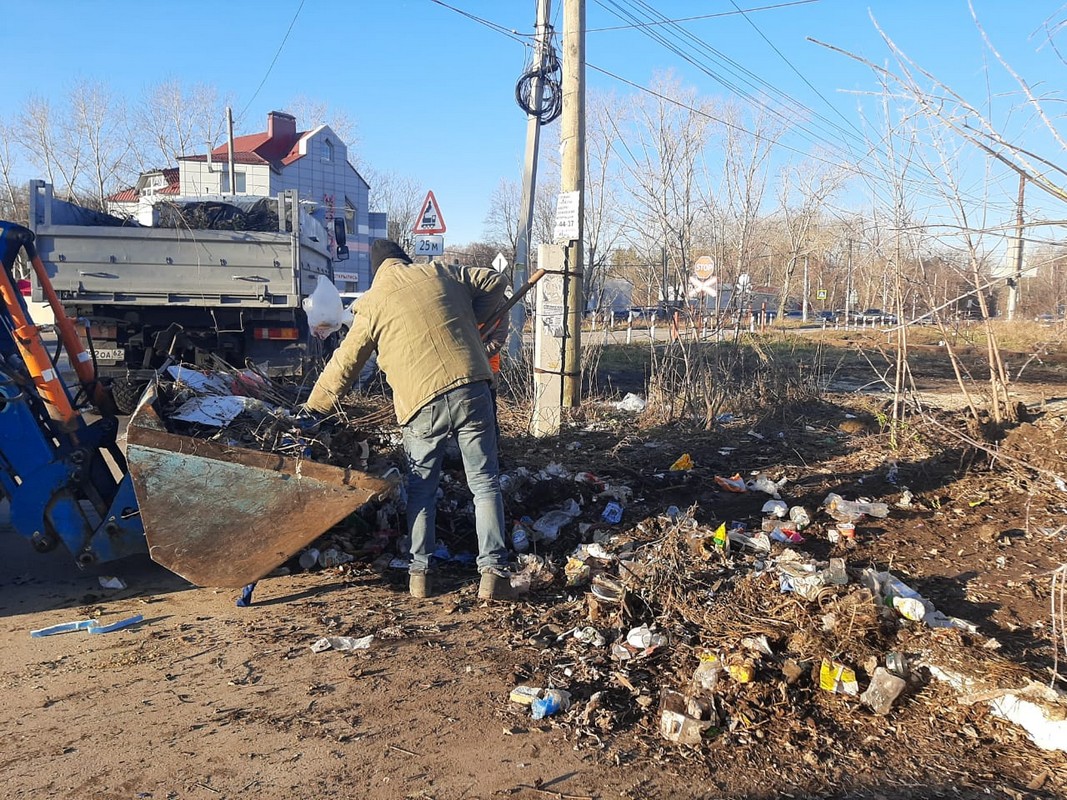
column 695, row 629
column 245, row 408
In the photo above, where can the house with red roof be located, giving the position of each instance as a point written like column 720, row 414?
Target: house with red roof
column 313, row 162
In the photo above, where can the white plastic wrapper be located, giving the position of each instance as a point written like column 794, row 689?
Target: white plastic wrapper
column 324, row 308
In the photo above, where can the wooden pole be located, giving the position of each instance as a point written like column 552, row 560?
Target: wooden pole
column 572, row 179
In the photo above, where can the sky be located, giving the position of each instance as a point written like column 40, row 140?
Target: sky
column 432, row 90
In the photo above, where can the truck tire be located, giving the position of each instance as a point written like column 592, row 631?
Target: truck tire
column 127, row 393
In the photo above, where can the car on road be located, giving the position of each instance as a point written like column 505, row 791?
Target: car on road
column 876, row 315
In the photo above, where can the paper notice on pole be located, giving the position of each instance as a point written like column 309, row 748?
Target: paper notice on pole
column 550, row 307
column 567, row 217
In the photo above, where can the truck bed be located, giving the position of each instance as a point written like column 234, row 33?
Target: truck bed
column 92, row 263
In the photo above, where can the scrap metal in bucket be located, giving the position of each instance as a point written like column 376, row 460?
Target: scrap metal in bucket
column 226, row 516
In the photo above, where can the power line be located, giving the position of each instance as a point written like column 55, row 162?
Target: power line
column 511, row 34
column 796, row 71
column 702, row 16
column 685, row 44
column 872, row 180
column 741, row 128
column 740, row 72
column 274, row 60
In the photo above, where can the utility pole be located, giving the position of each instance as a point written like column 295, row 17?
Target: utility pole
column 804, row 302
column 529, row 175
column 1016, row 279
column 848, row 283
column 229, row 142
column 572, row 140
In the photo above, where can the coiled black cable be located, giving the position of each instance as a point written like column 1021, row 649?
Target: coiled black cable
column 550, row 74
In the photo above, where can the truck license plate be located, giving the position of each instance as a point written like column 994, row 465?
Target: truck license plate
column 114, row 354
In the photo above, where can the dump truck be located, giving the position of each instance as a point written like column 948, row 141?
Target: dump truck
column 215, row 278
column 215, row 514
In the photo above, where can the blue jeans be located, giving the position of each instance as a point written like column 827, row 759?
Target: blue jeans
column 466, row 413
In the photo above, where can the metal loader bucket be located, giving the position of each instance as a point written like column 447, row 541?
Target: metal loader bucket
column 226, row 516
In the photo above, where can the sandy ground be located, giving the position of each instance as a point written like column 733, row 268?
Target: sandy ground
column 204, row 699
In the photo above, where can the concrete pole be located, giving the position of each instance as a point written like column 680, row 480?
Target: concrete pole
column 1013, row 284
column 521, row 270
column 572, row 179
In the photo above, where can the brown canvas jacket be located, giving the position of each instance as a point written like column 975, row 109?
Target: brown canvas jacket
column 423, row 321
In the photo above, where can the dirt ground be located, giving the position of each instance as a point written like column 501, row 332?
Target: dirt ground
column 207, row 700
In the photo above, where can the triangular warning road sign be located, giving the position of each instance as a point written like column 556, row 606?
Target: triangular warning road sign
column 429, row 219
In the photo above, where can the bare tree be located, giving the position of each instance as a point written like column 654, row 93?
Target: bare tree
column 502, row 218
column 97, row 119
column 399, row 196
column 660, row 139
column 747, row 147
column 48, row 139
column 9, row 206
column 603, row 220
column 803, row 192
column 173, row 119
column 311, row 113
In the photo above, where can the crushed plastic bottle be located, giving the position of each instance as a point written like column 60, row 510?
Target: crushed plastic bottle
column 706, row 675
column 800, row 516
column 844, row 510
column 552, row 702
column 885, row 688
column 776, row 508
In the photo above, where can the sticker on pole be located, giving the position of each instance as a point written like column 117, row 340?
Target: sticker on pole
column 568, row 208
column 430, row 219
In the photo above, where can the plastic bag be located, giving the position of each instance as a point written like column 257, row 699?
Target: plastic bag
column 324, row 309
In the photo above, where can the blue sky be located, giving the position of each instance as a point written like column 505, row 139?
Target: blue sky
column 433, row 91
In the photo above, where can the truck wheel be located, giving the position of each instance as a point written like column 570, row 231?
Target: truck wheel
column 127, row 393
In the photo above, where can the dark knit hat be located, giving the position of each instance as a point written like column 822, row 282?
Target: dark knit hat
column 386, row 248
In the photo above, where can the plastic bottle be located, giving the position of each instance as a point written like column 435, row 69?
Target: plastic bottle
column 554, row 700
column 309, row 558
column 776, row 507
column 885, row 688
column 520, row 539
column 851, row 510
column 799, row 515
column 706, row 675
